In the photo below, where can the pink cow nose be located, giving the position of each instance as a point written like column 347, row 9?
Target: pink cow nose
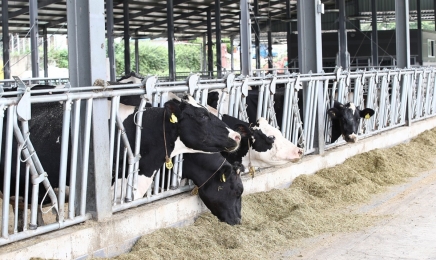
column 237, row 138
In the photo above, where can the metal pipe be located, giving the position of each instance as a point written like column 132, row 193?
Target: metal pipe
column 7, row 171
column 64, row 158
column 74, row 154
column 33, row 13
column 5, row 36
column 110, row 38
column 170, row 39
column 17, row 189
column 219, row 66
column 85, row 156
column 44, row 29
column 126, row 37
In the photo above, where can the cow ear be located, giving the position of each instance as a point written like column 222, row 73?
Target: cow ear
column 366, row 113
column 333, row 113
column 172, row 111
column 243, row 130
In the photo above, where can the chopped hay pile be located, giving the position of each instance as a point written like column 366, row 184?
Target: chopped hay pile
column 313, row 205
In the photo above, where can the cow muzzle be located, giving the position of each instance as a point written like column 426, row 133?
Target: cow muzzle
column 351, row 138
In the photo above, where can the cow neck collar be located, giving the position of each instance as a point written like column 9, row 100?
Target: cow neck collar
column 195, row 190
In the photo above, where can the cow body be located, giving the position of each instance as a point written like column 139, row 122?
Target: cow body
column 346, row 119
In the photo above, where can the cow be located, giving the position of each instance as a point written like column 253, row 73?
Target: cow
column 345, row 120
column 186, row 129
column 218, row 182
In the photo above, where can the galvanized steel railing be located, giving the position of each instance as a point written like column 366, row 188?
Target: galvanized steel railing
column 397, row 96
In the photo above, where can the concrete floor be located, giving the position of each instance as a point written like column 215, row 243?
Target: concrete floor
column 408, row 231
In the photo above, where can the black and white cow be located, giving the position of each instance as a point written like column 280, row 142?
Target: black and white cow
column 219, row 184
column 346, row 119
column 187, row 129
column 196, row 130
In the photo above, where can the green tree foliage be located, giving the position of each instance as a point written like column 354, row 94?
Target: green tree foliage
column 153, row 58
column 60, row 57
column 188, row 57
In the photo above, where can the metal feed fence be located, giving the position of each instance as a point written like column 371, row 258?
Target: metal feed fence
column 397, row 96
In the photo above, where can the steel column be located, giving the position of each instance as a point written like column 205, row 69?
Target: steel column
column 204, row 56
column 402, row 33
column 270, row 57
column 209, row 44
column 5, row 38
column 87, row 64
column 245, row 35
column 137, row 53
column 256, row 33
column 110, row 38
column 374, row 40
column 343, row 48
column 288, row 31
column 33, row 12
column 218, row 38
column 170, row 37
column 310, row 59
column 419, row 47
column 126, row 37
column 44, row 30
column 232, row 62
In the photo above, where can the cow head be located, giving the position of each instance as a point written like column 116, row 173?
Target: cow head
column 201, row 130
column 222, row 192
column 345, row 120
column 281, row 152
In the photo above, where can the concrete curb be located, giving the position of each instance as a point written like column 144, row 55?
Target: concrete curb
column 117, row 235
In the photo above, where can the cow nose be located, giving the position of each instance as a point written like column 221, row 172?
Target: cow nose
column 300, row 152
column 238, row 138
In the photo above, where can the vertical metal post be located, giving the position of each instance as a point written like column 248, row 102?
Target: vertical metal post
column 434, row 9
column 44, row 30
column 257, row 33
column 86, row 64
column 33, row 12
column 270, row 56
column 110, row 38
column 204, row 57
column 343, row 50
column 171, row 52
column 288, row 31
column 245, row 33
column 137, row 53
column 209, row 44
column 419, row 47
column 126, row 37
column 7, row 171
column 402, row 33
column 310, row 59
column 218, row 38
column 374, row 36
column 232, row 62
column 5, row 36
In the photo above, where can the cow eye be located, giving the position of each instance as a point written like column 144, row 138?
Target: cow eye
column 204, row 117
column 272, row 137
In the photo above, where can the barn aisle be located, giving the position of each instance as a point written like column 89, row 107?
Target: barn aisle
column 408, row 230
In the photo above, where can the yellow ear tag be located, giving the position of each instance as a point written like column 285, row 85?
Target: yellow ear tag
column 223, row 178
column 173, row 118
column 367, row 116
column 194, row 191
column 168, row 163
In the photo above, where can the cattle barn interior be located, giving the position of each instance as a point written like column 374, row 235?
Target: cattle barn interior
column 369, row 63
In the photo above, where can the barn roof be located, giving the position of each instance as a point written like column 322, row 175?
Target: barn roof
column 148, row 17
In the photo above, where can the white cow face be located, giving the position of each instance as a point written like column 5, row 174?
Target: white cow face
column 282, row 151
